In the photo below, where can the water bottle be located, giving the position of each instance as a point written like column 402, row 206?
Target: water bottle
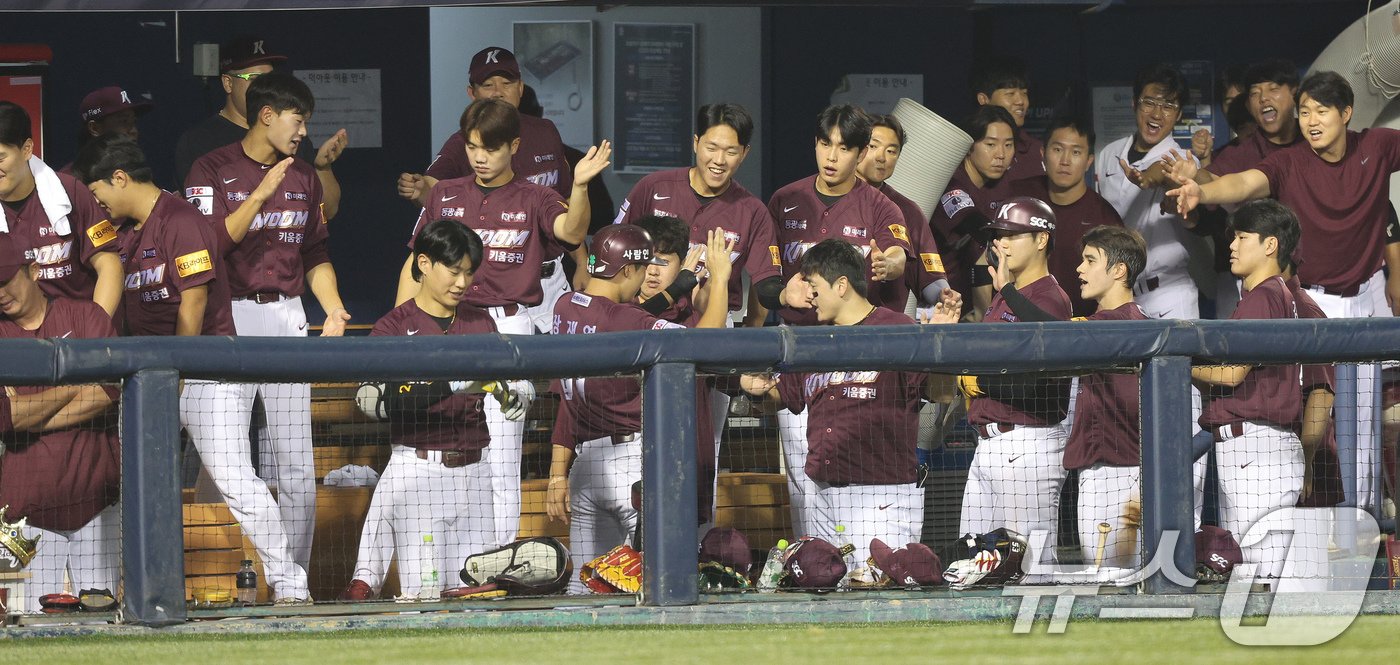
column 247, row 583
column 847, row 548
column 772, row 572
column 429, row 588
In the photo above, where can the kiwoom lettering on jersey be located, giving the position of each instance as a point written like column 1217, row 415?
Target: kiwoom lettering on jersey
column 50, row 254
column 280, row 219
column 145, row 277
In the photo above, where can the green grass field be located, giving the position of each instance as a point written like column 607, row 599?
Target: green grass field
column 1090, row 642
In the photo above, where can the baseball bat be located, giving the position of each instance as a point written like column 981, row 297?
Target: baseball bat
column 1104, row 528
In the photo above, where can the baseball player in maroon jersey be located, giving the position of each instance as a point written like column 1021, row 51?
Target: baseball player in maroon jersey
column 494, row 73
column 1270, row 86
column 241, row 61
column 108, row 110
column 1069, row 154
column 60, row 460
column 55, row 219
column 1338, row 185
column 593, row 469
column 436, row 482
column 832, row 204
column 177, row 284
column 518, row 222
column 1018, row 470
column 674, row 285
column 1103, row 445
column 925, row 278
column 861, row 425
column 1002, row 81
column 267, row 207
column 971, row 200
column 1254, row 411
column 706, row 196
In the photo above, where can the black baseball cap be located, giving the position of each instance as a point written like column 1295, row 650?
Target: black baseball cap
column 244, row 52
column 493, row 61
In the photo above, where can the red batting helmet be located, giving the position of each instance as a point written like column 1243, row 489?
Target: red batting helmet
column 1024, row 214
column 620, row 245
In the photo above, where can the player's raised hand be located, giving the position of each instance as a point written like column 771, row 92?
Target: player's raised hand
column 556, row 499
column 997, row 268
column 881, row 264
column 412, row 186
column 592, row 163
column 1201, row 143
column 1133, row 175
column 1187, row 194
column 718, row 253
column 1179, row 166
column 943, row 311
column 272, row 180
column 693, row 259
column 335, row 323
column 331, row 149
column 797, row 294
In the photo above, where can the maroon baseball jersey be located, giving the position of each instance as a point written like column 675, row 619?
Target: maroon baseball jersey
column 861, row 215
column 1071, row 223
column 516, row 224
column 1342, row 208
column 1326, row 467
column 1029, row 160
column 861, row 426
column 1046, row 294
column 925, row 265
column 64, row 254
column 174, row 250
column 62, row 479
column 287, row 236
column 1106, row 410
column 458, row 422
column 601, row 407
column 1270, row 394
column 742, row 216
column 961, row 200
column 540, row 158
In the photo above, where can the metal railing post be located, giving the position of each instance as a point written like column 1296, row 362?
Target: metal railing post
column 1344, row 419
column 153, row 563
column 1167, row 492
column 669, row 475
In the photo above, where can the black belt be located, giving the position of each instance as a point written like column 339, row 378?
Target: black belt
column 547, row 269
column 1151, row 284
column 264, row 297
column 625, row 438
column 985, row 431
column 1348, row 292
column 451, row 459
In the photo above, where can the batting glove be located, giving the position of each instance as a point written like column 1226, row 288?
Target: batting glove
column 515, row 398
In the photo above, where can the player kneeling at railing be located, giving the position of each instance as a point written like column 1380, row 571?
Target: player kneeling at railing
column 435, row 494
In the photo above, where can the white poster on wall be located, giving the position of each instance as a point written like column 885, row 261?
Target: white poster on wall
column 1113, row 113
column 878, row 93
column 556, row 61
column 345, row 99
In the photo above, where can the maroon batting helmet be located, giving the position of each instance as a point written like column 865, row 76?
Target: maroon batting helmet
column 1024, row 214
column 620, row 245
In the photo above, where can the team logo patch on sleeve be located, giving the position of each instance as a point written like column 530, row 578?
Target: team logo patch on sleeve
column 899, row 232
column 955, row 200
column 202, row 198
column 932, row 262
column 101, row 233
column 777, row 258
column 193, row 263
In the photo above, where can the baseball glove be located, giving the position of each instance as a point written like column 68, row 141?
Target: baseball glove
column 993, row 559
column 618, row 571
column 715, row 576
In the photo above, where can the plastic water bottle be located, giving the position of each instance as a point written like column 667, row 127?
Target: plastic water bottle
column 247, row 583
column 772, row 572
column 429, row 587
